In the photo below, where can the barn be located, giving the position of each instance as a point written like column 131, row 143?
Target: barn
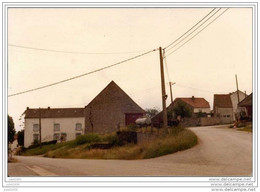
column 111, row 109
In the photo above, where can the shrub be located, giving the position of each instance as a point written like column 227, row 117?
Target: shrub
column 89, row 138
column 132, row 127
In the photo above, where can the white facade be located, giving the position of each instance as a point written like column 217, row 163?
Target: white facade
column 234, row 100
column 203, row 110
column 53, row 128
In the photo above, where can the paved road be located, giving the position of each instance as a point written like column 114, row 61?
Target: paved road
column 221, row 152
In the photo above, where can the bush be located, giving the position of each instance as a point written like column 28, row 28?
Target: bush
column 132, row 127
column 112, row 139
column 89, row 138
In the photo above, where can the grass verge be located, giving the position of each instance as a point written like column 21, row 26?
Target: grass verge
column 247, row 128
column 178, row 139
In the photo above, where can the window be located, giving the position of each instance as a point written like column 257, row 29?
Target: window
column 56, row 127
column 78, row 126
column 35, row 127
column 56, row 136
column 63, row 137
column 36, row 137
column 78, row 134
column 228, row 115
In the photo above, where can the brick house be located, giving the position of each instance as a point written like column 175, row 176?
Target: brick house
column 110, row 109
column 223, row 108
column 56, row 124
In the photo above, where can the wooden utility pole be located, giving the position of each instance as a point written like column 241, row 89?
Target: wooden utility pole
column 164, row 96
column 170, row 83
column 237, row 91
column 40, row 127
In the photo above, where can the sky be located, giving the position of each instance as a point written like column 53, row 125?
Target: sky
column 204, row 66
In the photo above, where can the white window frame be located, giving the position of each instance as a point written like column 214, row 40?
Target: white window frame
column 38, row 137
column 78, row 129
column 55, row 127
column 36, row 127
column 56, row 134
column 65, row 136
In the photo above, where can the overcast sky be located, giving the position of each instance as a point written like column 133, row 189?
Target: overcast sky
column 204, row 66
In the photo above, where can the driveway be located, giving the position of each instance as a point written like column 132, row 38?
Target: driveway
column 221, row 152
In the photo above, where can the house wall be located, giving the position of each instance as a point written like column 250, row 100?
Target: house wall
column 234, row 101
column 203, row 110
column 67, row 125
column 107, row 112
column 225, row 115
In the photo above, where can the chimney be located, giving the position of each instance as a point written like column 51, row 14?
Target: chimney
column 49, row 108
column 27, row 108
column 192, row 97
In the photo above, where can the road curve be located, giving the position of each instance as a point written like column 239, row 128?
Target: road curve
column 220, row 152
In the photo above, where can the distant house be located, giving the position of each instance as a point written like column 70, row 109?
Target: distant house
column 56, row 124
column 110, row 109
column 223, row 108
column 247, row 103
column 235, row 99
column 195, row 104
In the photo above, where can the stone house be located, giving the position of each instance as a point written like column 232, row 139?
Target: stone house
column 111, row 109
column 223, row 108
column 56, row 124
column 247, row 104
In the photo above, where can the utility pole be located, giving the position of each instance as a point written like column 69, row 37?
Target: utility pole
column 164, row 96
column 237, row 91
column 170, row 83
column 40, row 127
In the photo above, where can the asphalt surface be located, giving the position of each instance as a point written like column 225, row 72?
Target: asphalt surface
column 221, row 152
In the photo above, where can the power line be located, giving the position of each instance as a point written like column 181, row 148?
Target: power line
column 194, row 30
column 190, row 29
column 194, row 88
column 198, row 32
column 72, row 52
column 75, row 77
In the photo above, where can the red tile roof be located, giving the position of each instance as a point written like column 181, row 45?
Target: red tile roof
column 195, row 102
column 54, row 112
column 222, row 101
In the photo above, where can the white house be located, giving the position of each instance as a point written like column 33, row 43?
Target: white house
column 235, row 99
column 61, row 124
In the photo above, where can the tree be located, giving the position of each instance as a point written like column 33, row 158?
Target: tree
column 20, row 138
column 11, row 130
column 152, row 111
column 182, row 109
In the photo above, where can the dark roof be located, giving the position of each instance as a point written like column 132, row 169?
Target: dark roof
column 54, row 112
column 108, row 95
column 195, row 102
column 222, row 101
column 246, row 101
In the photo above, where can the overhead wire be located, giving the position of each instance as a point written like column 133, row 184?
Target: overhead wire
column 197, row 33
column 190, row 29
column 193, row 31
column 73, row 52
column 78, row 76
